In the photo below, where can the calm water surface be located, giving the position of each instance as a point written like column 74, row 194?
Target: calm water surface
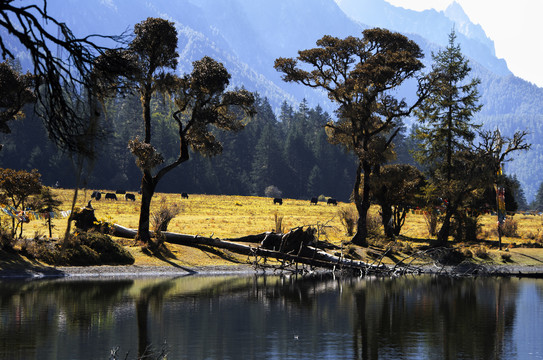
column 273, row 317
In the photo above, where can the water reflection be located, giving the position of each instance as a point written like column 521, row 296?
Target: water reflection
column 273, row 317
column 428, row 317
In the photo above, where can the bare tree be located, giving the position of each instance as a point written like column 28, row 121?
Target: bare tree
column 60, row 60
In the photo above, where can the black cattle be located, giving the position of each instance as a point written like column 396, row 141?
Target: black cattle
column 184, row 196
column 314, row 200
column 130, row 197
column 111, row 196
column 120, row 192
column 332, row 201
column 278, row 201
column 96, row 195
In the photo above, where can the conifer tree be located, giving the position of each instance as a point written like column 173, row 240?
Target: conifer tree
column 446, row 129
column 538, row 201
column 446, row 115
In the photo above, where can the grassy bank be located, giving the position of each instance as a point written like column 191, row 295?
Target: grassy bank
column 235, row 216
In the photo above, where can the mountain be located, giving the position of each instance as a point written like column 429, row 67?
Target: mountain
column 248, row 35
column 432, row 25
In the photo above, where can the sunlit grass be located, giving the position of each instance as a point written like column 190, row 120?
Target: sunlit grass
column 228, row 217
column 225, row 217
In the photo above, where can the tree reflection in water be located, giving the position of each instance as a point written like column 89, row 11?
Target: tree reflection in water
column 261, row 317
column 434, row 317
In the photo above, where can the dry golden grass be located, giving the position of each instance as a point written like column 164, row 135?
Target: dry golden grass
column 235, row 216
column 206, row 215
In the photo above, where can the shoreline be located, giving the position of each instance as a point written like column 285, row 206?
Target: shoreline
column 116, row 271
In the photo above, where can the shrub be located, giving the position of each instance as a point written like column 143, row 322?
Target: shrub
column 465, row 228
column 109, row 251
column 273, row 191
column 481, row 252
column 509, row 227
column 161, row 218
column 506, row 257
column 467, row 253
column 86, row 249
column 7, row 239
column 78, row 255
column 348, row 217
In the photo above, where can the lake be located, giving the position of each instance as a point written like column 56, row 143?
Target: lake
column 272, row 317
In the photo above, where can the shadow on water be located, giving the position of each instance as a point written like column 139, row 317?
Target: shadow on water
column 287, row 317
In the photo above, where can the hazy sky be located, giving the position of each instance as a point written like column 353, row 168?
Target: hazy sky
column 515, row 26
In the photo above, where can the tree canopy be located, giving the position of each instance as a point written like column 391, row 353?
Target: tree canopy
column 16, row 90
column 359, row 74
column 200, row 99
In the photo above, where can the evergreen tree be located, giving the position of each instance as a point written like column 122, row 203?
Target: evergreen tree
column 268, row 163
column 446, row 128
column 445, row 116
column 287, row 115
column 538, row 201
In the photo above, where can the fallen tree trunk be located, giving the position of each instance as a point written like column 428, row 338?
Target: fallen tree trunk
column 272, row 246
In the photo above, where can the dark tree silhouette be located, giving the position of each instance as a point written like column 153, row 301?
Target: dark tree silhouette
column 200, row 97
column 60, row 61
column 16, row 90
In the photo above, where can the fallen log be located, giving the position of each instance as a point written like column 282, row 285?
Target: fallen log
column 308, row 255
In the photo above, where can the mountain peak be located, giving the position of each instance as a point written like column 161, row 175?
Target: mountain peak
column 463, row 25
column 456, row 13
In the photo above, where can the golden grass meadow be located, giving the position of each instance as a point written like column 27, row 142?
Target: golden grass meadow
column 230, row 216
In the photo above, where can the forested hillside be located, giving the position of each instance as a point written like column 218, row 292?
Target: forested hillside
column 291, row 154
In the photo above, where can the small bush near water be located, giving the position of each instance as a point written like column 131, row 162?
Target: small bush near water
column 482, row 252
column 86, row 249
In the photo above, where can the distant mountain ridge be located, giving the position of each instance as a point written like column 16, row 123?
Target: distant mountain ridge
column 248, row 35
column 432, row 25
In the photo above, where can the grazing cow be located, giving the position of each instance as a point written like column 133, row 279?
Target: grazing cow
column 278, row 201
column 184, row 196
column 96, row 195
column 130, row 197
column 332, row 201
column 314, row 201
column 121, row 192
column 111, row 196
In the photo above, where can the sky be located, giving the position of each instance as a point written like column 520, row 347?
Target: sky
column 515, row 26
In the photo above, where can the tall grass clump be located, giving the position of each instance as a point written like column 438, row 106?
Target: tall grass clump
column 510, row 227
column 348, row 217
column 161, row 218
